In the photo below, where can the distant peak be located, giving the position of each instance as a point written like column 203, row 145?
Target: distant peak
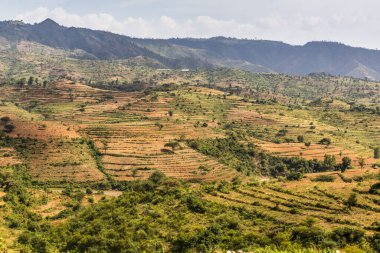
column 49, row 21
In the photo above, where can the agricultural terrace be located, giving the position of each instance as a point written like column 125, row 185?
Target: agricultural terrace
column 129, row 135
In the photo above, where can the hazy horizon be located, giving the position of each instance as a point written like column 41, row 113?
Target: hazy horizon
column 292, row 21
column 199, row 38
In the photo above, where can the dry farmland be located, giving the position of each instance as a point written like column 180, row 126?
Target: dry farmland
column 132, row 131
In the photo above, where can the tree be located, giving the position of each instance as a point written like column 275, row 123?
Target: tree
column 294, row 176
column 352, row 200
column 134, row 172
column 361, row 162
column 300, row 138
column 329, row 162
column 157, row 177
column 376, row 153
column 325, row 141
column 105, row 145
column 346, row 164
column 22, row 82
column 170, row 112
column 288, row 140
column 159, row 125
column 30, row 81
column 173, row 145
column 88, row 191
column 375, row 188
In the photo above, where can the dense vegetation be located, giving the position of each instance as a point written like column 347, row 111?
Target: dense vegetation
column 164, row 215
column 249, row 159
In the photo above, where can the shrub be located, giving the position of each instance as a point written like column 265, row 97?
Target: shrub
column 195, row 205
column 376, row 153
column 88, row 191
column 294, row 176
column 345, row 179
column 346, row 164
column 329, row 162
column 308, row 236
column 325, row 141
column 347, row 235
column 375, row 188
column 352, row 200
column 375, row 242
column 324, row 178
column 157, row 177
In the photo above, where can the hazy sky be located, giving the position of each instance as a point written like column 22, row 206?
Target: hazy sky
column 352, row 22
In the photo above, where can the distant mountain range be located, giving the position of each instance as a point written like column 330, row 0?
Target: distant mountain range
column 252, row 55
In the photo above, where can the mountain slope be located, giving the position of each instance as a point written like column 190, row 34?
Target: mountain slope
column 329, row 57
column 252, row 55
column 103, row 45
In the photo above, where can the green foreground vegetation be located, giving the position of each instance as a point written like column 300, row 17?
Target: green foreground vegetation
column 164, row 215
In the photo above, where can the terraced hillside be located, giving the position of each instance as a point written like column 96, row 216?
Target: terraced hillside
column 131, row 132
column 136, row 133
column 235, row 155
column 326, row 202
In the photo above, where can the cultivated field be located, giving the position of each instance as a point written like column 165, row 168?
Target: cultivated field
column 325, row 202
column 134, row 132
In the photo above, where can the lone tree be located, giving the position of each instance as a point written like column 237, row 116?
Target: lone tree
column 159, row 125
column 30, row 81
column 325, row 141
column 21, row 83
column 173, row 145
column 352, row 200
column 346, row 164
column 329, row 162
column 105, row 145
column 134, row 172
column 157, row 177
column 361, row 162
column 376, row 153
column 300, row 138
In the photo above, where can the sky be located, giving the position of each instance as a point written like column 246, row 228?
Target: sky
column 351, row 22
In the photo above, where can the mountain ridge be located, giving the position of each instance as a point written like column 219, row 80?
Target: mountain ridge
column 253, row 55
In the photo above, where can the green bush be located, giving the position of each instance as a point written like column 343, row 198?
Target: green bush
column 324, row 178
column 294, row 176
column 346, row 235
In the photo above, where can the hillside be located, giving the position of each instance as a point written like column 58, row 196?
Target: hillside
column 180, row 167
column 252, row 55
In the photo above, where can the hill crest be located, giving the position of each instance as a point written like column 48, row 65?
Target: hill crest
column 252, row 55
